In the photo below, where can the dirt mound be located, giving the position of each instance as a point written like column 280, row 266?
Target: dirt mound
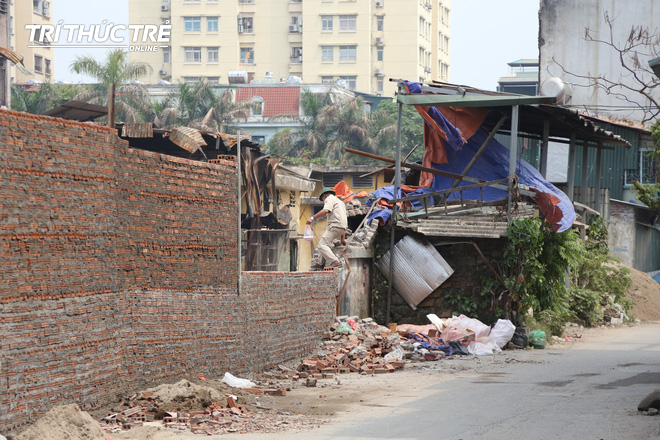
column 64, row 422
column 645, row 292
column 186, row 395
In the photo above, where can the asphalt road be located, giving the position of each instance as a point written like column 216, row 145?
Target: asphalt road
column 586, row 390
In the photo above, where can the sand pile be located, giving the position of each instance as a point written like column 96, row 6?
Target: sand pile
column 645, row 292
column 64, row 422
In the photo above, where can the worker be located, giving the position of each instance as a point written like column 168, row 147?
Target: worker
column 335, row 209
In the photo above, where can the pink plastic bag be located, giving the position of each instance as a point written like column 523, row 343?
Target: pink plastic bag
column 309, row 234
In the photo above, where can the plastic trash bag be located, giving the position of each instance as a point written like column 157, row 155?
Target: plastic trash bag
column 479, row 349
column 502, row 332
column 438, row 322
column 309, row 234
column 479, row 328
column 537, row 339
column 458, row 348
column 344, row 327
column 519, row 339
column 237, row 382
column 395, row 355
column 456, row 333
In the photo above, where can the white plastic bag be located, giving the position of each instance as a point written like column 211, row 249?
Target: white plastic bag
column 439, row 323
column 479, row 328
column 237, row 382
column 395, row 355
column 309, row 234
column 502, row 332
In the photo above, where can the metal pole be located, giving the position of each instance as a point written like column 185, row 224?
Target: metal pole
column 238, row 168
column 597, row 178
column 571, row 167
column 585, row 167
column 543, row 168
column 513, row 156
column 397, row 184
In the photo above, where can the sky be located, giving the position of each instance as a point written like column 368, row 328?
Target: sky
column 485, row 35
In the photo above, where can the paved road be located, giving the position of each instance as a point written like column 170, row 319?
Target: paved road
column 589, row 390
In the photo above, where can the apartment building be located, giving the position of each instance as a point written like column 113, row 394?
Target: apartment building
column 363, row 42
column 39, row 59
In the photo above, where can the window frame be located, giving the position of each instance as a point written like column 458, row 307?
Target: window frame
column 331, row 22
column 348, row 23
column 209, row 51
column 325, row 50
column 194, row 22
column 346, row 57
column 193, row 51
column 213, row 20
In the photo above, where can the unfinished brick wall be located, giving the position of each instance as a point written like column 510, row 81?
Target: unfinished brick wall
column 120, row 270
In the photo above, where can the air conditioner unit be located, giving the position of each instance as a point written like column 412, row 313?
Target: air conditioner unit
column 379, row 3
column 378, row 72
column 162, row 72
column 294, row 28
column 164, row 7
column 380, row 40
column 45, row 8
column 427, row 69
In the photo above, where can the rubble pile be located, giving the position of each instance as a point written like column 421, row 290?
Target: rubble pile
column 354, row 346
column 195, row 409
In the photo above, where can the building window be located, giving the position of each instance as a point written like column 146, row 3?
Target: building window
column 212, row 24
column 257, row 106
column 48, row 68
column 212, row 54
column 191, row 79
column 166, row 55
column 213, row 80
column 192, row 55
column 247, row 55
column 347, row 22
column 380, row 21
column 327, row 53
column 331, row 179
column 347, row 53
column 326, row 22
column 379, row 53
column 192, row 24
column 327, row 79
column 258, row 139
column 247, row 26
column 351, row 81
column 296, row 54
column 379, row 85
column 362, row 182
column 38, row 63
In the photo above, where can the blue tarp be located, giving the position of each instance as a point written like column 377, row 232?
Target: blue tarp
column 492, row 165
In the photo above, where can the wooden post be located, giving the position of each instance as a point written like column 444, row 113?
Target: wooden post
column 543, row 166
column 571, row 167
column 111, row 106
column 513, row 157
column 239, row 197
column 585, row 168
column 597, row 182
column 397, row 184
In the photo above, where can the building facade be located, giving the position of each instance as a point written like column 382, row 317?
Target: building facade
column 362, row 42
column 38, row 57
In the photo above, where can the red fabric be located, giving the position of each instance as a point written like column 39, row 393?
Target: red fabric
column 277, row 100
column 549, row 202
column 345, row 193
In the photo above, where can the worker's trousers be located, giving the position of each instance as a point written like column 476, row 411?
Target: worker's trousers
column 324, row 256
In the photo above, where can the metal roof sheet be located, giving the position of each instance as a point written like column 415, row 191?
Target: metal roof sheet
column 78, row 111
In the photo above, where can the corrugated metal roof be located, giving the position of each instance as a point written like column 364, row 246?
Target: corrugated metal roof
column 418, row 269
column 78, row 111
column 277, row 100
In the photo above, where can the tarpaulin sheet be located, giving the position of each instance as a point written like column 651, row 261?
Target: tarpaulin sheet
column 493, row 164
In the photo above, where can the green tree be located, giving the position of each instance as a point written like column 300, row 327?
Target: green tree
column 412, row 131
column 116, row 85
column 331, row 122
column 35, row 101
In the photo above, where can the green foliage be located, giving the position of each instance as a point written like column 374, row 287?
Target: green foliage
column 586, row 305
column 461, row 304
column 412, row 131
column 649, row 194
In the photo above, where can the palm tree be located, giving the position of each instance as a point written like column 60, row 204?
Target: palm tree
column 330, row 123
column 199, row 107
column 36, row 101
column 133, row 101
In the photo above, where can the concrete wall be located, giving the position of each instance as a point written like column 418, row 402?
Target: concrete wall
column 621, row 228
column 562, row 43
column 120, row 270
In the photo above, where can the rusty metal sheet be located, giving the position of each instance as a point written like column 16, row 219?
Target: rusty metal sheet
column 187, row 138
column 138, row 130
column 418, row 269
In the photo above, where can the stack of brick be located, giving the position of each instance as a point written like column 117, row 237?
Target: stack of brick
column 362, row 350
column 366, row 235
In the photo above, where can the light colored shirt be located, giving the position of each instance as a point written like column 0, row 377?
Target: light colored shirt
column 336, row 212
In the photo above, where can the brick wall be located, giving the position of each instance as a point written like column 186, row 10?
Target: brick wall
column 466, row 282
column 120, row 270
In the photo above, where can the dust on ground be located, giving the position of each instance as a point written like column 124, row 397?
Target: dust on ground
column 64, row 422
